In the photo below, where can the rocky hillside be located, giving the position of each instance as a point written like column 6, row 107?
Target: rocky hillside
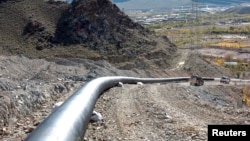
column 99, row 24
column 95, row 29
column 28, row 25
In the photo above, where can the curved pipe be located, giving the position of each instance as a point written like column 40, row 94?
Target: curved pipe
column 69, row 122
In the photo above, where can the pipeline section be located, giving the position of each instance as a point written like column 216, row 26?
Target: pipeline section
column 70, row 121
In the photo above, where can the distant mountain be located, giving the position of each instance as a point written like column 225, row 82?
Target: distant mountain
column 168, row 4
column 238, row 10
column 222, row 2
column 114, row 1
column 120, row 1
column 151, row 4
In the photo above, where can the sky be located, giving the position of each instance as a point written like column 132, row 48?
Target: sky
column 152, row 4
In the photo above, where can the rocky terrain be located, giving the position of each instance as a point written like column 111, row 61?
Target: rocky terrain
column 101, row 31
column 29, row 88
column 50, row 49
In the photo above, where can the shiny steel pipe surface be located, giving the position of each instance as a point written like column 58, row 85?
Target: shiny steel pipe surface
column 69, row 122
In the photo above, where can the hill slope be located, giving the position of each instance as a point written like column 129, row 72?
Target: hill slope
column 94, row 29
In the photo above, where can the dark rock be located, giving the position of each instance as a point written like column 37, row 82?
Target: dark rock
column 33, row 27
column 96, row 23
column 75, row 78
column 36, row 32
column 59, row 88
column 56, row 2
column 3, row 1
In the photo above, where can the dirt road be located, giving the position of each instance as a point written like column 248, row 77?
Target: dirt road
column 155, row 112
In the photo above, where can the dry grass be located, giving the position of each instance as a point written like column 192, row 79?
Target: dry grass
column 219, row 61
column 246, row 95
column 230, row 44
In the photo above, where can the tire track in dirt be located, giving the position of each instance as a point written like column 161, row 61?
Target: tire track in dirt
column 125, row 115
column 187, row 106
column 129, row 114
column 171, row 111
column 138, row 113
column 179, row 102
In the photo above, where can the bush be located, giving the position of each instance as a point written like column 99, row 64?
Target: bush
column 246, row 95
column 228, row 57
column 219, row 61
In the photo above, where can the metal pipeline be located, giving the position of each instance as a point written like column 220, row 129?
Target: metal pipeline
column 69, row 122
column 208, row 78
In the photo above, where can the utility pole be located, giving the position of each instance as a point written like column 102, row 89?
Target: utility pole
column 194, row 37
column 195, row 23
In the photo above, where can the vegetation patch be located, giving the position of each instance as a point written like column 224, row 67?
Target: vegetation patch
column 206, row 31
column 239, row 69
column 230, row 44
column 246, row 95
